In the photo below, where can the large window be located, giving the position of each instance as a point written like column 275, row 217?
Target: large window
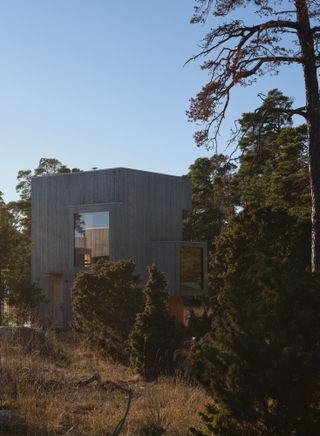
column 91, row 237
column 191, row 269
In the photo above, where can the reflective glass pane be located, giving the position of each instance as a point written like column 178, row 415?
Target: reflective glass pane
column 91, row 237
column 191, row 269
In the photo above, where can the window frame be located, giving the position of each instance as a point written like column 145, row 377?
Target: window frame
column 114, row 211
column 74, row 238
column 201, row 262
column 179, row 289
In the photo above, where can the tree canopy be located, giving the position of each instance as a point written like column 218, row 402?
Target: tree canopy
column 273, row 162
column 22, row 207
column 106, row 299
column 155, row 335
column 260, row 359
column 272, row 171
column 212, row 198
column 258, row 354
column 236, row 53
column 16, row 286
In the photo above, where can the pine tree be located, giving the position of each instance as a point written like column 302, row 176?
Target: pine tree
column 22, row 295
column 212, row 198
column 105, row 302
column 155, row 335
column 16, row 287
column 272, row 151
column 22, row 207
column 199, row 323
column 260, row 362
column 235, row 53
column 6, row 245
column 289, row 185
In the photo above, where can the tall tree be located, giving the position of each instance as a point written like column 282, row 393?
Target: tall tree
column 22, row 207
column 274, row 159
column 155, row 335
column 7, row 233
column 237, row 53
column 15, row 281
column 289, row 183
column 15, row 244
column 7, row 243
column 260, row 360
column 106, row 299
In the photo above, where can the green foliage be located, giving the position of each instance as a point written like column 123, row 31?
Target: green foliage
column 16, row 287
column 15, row 283
column 267, row 120
column 154, row 425
column 22, row 295
column 105, row 302
column 260, row 361
column 155, row 335
column 212, row 198
column 22, row 207
column 151, row 429
column 8, row 234
column 274, row 162
column 289, row 182
column 46, row 167
column 7, row 242
column 199, row 323
column 260, row 357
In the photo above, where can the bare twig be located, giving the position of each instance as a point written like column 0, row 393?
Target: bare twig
column 120, row 425
column 70, row 430
column 87, row 381
column 109, row 385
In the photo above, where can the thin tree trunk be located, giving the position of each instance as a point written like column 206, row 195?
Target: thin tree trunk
column 306, row 40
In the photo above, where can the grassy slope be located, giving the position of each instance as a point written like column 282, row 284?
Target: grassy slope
column 40, row 386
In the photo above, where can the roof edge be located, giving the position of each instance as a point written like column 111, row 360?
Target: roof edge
column 106, row 169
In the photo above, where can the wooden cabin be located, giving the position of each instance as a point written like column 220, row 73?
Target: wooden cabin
column 120, row 213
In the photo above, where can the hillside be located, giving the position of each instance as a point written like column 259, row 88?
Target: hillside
column 40, row 384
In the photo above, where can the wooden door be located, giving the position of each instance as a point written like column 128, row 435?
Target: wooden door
column 176, row 308
column 55, row 296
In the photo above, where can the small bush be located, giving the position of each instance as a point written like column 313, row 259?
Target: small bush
column 151, row 429
column 155, row 335
column 199, row 324
column 105, row 302
column 22, row 296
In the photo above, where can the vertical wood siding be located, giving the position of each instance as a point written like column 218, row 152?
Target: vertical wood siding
column 144, row 207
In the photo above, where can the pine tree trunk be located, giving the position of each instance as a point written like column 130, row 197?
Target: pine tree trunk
column 306, row 39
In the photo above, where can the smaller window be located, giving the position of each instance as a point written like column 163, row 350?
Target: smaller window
column 91, row 237
column 186, row 216
column 191, row 269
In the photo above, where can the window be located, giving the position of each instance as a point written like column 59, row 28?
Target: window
column 91, row 237
column 191, row 269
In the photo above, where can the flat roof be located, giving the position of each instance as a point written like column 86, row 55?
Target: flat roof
column 105, row 169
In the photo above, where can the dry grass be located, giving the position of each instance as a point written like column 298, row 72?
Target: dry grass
column 40, row 385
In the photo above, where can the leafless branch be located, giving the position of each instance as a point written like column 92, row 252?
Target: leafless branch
column 109, row 385
column 240, row 54
column 283, row 12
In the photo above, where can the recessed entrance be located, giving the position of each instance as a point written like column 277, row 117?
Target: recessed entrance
column 55, row 296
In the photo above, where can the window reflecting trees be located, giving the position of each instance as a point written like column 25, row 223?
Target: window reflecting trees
column 91, row 237
column 191, row 269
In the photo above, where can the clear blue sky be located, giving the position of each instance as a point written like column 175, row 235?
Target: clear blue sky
column 100, row 83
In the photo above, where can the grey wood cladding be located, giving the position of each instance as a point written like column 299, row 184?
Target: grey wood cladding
column 144, row 207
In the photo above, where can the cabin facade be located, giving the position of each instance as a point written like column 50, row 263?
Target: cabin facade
column 79, row 218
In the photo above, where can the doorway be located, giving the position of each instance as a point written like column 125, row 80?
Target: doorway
column 56, row 306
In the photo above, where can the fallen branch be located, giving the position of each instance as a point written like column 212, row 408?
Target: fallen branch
column 89, row 380
column 109, row 385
